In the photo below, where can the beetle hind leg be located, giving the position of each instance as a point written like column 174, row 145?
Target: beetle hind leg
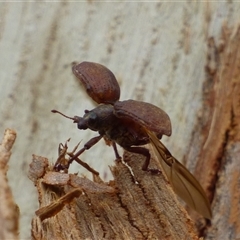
column 145, row 152
column 118, row 157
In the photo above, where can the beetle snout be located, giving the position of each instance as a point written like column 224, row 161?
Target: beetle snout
column 81, row 123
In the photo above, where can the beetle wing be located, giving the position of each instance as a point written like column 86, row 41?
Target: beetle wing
column 183, row 182
column 146, row 114
column 99, row 82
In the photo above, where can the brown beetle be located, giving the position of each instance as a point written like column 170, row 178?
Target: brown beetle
column 121, row 122
column 130, row 124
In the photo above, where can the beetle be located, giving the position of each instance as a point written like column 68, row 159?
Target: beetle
column 131, row 124
column 120, row 122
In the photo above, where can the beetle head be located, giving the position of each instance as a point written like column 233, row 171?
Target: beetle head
column 89, row 120
column 98, row 119
column 82, row 122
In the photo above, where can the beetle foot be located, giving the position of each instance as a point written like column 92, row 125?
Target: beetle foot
column 154, row 171
column 61, row 168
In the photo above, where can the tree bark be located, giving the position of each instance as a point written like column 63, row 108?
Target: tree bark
column 135, row 205
column 219, row 146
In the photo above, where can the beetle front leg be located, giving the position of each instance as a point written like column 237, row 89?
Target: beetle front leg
column 59, row 165
column 87, row 146
column 145, row 152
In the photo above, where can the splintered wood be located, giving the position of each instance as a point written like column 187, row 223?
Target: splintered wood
column 9, row 212
column 135, row 205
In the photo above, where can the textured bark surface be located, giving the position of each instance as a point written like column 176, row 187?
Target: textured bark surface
column 9, row 212
column 218, row 166
column 182, row 57
column 132, row 206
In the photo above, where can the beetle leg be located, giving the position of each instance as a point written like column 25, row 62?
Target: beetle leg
column 144, row 152
column 87, row 146
column 85, row 165
column 118, row 157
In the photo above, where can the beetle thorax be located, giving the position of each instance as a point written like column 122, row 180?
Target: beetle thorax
column 99, row 119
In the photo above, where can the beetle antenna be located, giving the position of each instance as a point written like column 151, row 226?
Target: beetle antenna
column 56, row 111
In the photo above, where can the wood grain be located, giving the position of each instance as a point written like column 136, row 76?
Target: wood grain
column 9, row 211
column 135, row 205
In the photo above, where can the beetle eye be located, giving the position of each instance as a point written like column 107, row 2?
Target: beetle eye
column 86, row 111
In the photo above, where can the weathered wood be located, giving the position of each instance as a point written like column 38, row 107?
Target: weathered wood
column 135, row 205
column 9, row 211
column 218, row 148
